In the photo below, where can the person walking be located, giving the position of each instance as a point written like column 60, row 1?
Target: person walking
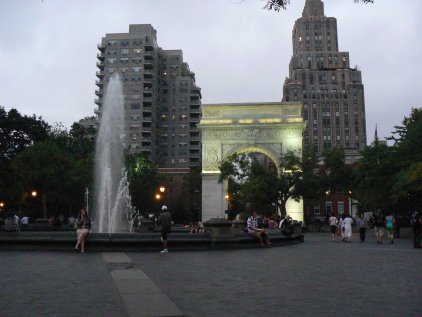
column 389, row 225
column 361, row 223
column 379, row 223
column 82, row 226
column 166, row 223
column 341, row 222
column 333, row 222
column 416, row 221
column 348, row 228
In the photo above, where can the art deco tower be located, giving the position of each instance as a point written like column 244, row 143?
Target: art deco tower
column 320, row 76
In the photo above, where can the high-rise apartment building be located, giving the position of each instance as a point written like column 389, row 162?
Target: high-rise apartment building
column 162, row 102
column 320, row 76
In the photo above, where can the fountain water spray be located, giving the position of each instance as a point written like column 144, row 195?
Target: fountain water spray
column 112, row 199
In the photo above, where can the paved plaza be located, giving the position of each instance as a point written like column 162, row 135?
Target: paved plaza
column 314, row 278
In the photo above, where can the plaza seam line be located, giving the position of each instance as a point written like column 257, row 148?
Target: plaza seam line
column 136, row 290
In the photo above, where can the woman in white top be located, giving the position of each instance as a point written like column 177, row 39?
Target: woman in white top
column 348, row 228
column 332, row 221
column 341, row 222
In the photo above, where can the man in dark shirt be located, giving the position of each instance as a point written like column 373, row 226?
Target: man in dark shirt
column 416, row 221
column 165, row 221
column 379, row 222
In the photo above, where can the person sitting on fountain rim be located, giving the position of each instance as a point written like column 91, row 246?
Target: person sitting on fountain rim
column 82, row 226
column 254, row 231
column 286, row 226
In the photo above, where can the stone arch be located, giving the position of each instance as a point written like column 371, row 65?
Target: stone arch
column 258, row 149
column 268, row 128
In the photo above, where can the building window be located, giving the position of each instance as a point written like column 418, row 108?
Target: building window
column 317, row 210
column 340, row 207
column 328, row 207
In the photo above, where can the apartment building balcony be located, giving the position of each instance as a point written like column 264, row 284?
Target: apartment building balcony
column 101, row 56
column 101, row 47
column 147, row 104
column 148, row 73
column 148, row 86
column 146, row 148
column 149, row 48
column 98, row 101
column 99, row 92
column 146, row 130
column 99, row 83
column 97, row 111
column 100, row 74
column 149, row 81
column 147, row 98
column 148, row 65
column 147, row 119
column 100, row 65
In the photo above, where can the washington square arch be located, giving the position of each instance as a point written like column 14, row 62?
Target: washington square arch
column 268, row 128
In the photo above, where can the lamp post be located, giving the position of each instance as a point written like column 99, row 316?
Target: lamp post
column 227, row 197
column 162, row 190
column 2, row 205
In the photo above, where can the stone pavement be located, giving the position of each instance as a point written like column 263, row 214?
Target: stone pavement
column 315, row 278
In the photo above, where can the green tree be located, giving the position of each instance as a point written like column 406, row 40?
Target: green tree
column 337, row 175
column 143, row 180
column 374, row 178
column 407, row 186
column 310, row 185
column 49, row 170
column 17, row 132
column 290, row 177
column 262, row 187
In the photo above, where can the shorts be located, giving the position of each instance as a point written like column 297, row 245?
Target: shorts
column 379, row 231
column 255, row 234
column 82, row 231
column 333, row 229
column 164, row 234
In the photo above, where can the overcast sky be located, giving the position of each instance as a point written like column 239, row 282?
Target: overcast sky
column 239, row 52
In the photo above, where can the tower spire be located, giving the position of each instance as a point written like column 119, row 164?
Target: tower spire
column 376, row 140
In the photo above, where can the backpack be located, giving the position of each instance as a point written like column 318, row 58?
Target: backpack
column 379, row 220
column 389, row 223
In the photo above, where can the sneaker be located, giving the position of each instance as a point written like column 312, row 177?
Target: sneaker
column 164, row 251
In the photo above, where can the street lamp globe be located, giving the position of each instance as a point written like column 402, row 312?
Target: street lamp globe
column 34, row 193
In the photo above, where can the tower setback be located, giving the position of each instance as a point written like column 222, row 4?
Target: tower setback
column 321, row 78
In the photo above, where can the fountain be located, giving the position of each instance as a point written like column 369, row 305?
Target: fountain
column 112, row 200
